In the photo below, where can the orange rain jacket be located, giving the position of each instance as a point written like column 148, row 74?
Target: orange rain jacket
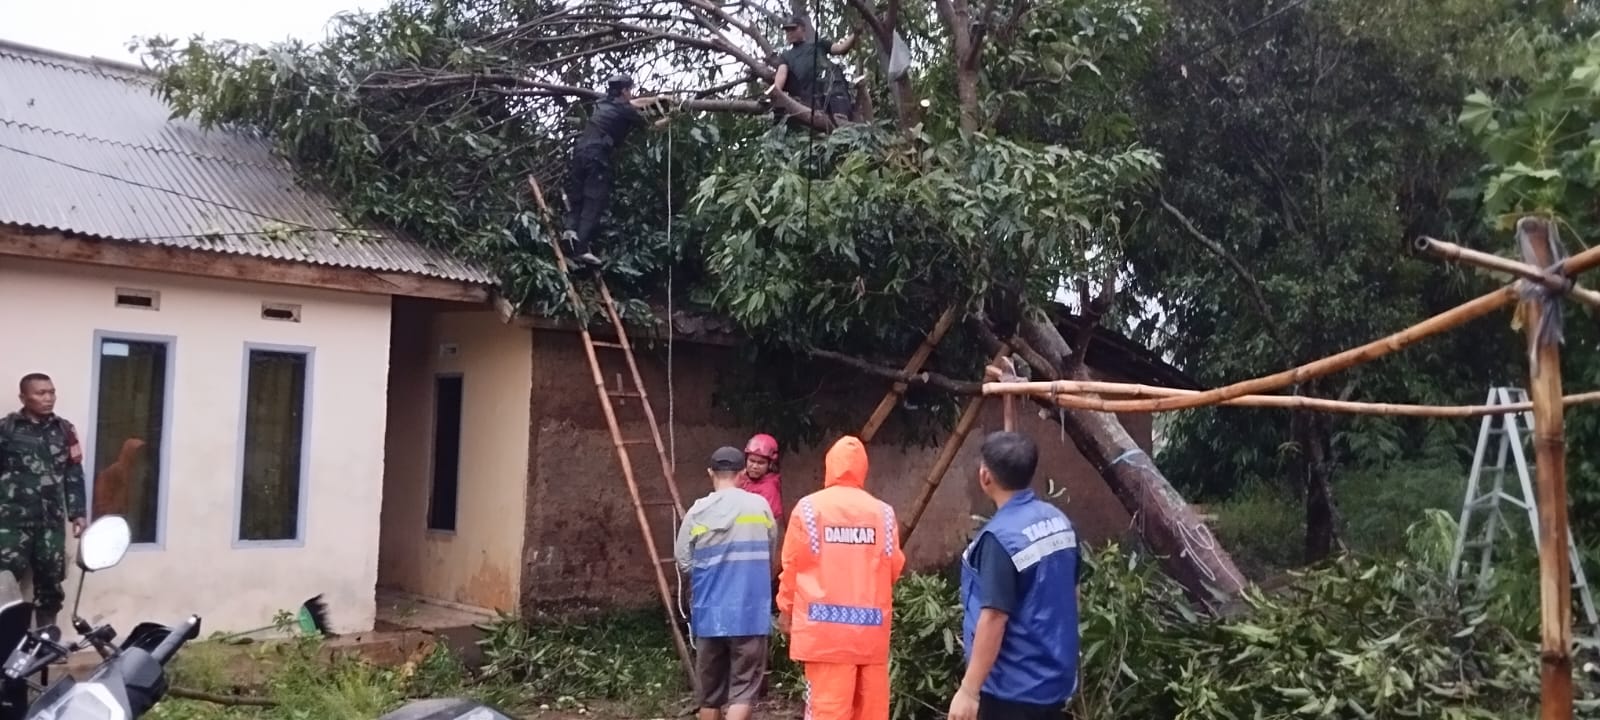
column 841, row 557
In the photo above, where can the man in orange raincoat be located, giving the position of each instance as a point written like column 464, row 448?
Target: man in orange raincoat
column 841, row 558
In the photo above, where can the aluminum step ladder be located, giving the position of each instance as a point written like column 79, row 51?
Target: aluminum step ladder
column 668, row 508
column 1487, row 489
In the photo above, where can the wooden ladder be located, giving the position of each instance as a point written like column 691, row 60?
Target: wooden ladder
column 641, row 505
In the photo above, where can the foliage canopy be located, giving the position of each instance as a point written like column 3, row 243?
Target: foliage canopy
column 428, row 114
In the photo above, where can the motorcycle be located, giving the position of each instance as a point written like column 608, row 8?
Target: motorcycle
column 446, row 709
column 131, row 677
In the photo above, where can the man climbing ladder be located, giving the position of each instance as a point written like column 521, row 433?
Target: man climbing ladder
column 589, row 172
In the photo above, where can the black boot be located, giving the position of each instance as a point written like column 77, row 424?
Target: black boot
column 44, row 618
column 578, row 251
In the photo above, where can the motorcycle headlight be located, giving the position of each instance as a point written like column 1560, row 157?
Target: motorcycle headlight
column 86, row 702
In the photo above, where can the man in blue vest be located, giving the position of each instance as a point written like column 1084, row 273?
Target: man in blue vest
column 726, row 545
column 1019, row 594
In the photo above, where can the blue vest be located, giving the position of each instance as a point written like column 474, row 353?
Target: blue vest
column 1038, row 660
column 731, row 590
column 730, row 566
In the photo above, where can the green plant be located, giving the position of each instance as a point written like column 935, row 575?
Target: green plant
column 925, row 654
column 1353, row 638
column 623, row 656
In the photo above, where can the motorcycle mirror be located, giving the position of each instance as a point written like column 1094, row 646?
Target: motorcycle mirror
column 104, row 543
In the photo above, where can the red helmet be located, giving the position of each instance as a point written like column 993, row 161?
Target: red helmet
column 762, row 445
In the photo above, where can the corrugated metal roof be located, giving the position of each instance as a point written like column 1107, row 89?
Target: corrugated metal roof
column 88, row 148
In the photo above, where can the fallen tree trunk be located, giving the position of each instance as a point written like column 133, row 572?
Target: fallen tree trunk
column 1169, row 526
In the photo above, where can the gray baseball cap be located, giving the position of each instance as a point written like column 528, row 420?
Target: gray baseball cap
column 727, row 459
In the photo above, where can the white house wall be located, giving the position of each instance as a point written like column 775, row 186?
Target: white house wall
column 51, row 314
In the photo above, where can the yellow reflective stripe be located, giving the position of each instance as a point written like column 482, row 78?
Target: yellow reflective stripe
column 697, row 529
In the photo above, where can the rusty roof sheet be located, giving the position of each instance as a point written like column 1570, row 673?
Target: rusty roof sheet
column 86, row 147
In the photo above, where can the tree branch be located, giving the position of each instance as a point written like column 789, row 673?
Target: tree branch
column 744, row 27
column 1233, row 263
column 1092, row 309
column 927, row 378
column 881, row 30
column 216, row 699
column 818, row 119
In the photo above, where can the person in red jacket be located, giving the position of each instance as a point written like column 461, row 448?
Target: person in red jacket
column 841, row 558
column 761, row 472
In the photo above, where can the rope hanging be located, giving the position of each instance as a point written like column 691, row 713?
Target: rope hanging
column 672, row 420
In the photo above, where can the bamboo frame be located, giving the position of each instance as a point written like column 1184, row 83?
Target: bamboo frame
column 886, row 405
column 1551, row 281
column 1069, row 394
column 1550, row 463
column 947, row 455
column 680, row 643
column 1447, row 320
column 1547, row 403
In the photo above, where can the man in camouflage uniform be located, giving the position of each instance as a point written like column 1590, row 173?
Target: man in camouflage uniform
column 41, row 488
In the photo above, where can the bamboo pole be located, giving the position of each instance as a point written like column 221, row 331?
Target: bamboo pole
column 886, row 405
column 1549, row 447
column 1447, row 320
column 1554, row 282
column 947, row 455
column 1006, row 372
column 941, row 466
column 1068, row 394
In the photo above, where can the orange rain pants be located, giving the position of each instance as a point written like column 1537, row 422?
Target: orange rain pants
column 835, row 691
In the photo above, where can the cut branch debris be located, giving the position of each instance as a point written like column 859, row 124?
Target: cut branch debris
column 218, row 699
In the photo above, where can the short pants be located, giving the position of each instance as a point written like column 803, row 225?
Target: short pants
column 730, row 669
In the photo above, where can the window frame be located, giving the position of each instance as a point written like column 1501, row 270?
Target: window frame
column 433, row 452
column 163, row 478
column 307, row 408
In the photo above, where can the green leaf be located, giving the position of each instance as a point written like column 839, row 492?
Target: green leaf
column 1478, row 113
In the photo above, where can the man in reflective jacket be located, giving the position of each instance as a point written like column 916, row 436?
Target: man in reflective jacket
column 726, row 545
column 1019, row 593
column 841, row 558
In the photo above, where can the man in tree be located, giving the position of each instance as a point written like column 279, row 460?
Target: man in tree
column 589, row 180
column 725, row 543
column 41, row 488
column 1019, row 594
column 806, row 74
column 841, row 558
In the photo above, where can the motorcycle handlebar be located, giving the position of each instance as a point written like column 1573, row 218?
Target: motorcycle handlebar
column 177, row 635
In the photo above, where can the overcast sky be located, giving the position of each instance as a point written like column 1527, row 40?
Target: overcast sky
column 103, row 27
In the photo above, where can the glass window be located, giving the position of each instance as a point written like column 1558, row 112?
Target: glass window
column 130, row 407
column 274, row 445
